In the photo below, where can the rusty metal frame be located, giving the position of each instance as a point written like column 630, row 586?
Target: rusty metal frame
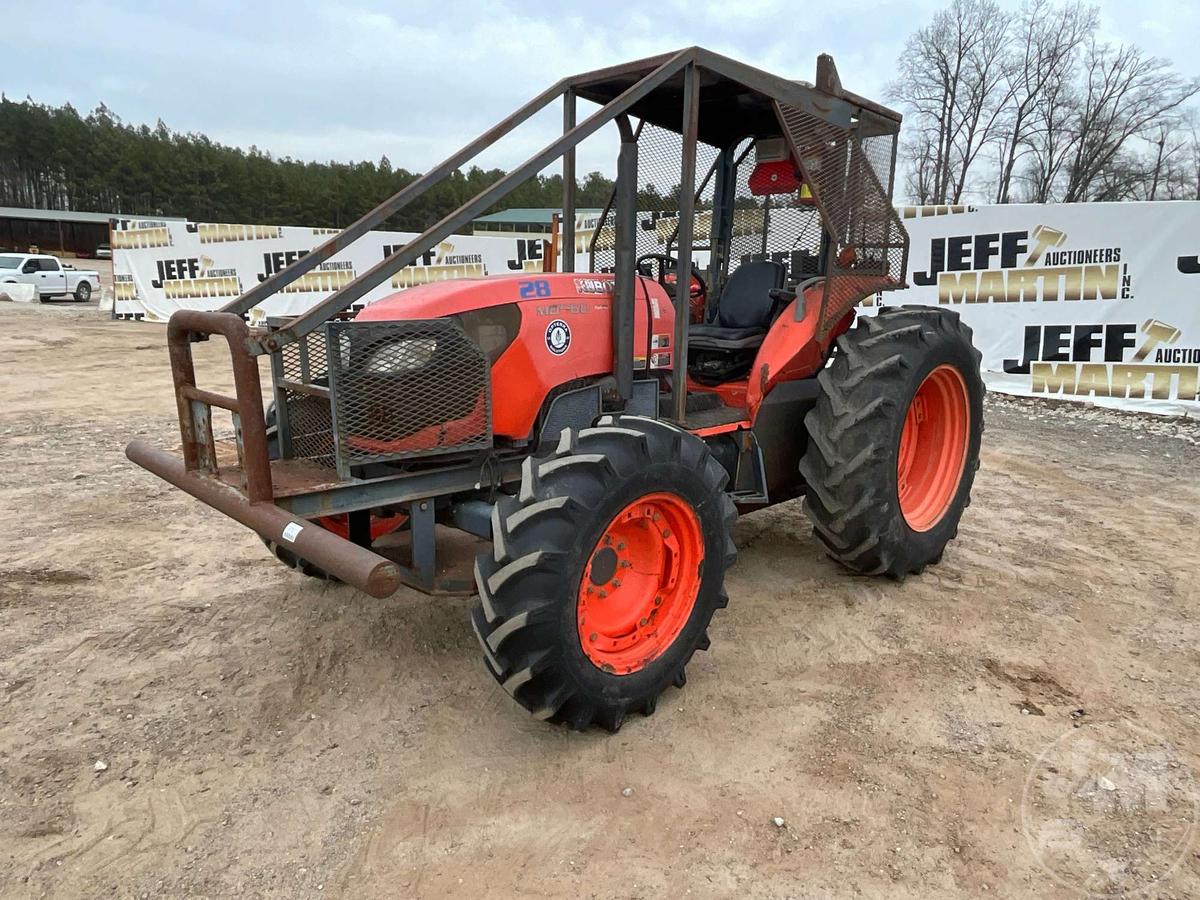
column 569, row 185
column 356, row 289
column 828, row 101
column 252, row 501
column 195, row 405
column 250, row 494
column 831, row 287
column 687, row 221
column 612, row 199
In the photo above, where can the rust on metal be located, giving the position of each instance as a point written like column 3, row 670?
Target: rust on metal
column 289, row 477
column 355, row 565
column 248, row 405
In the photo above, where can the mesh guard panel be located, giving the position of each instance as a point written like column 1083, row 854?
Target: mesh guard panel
column 779, row 227
column 406, row 389
column 660, row 155
column 843, row 168
column 306, row 362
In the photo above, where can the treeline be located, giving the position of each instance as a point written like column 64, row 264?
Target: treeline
column 1001, row 106
column 54, row 158
column 1030, row 105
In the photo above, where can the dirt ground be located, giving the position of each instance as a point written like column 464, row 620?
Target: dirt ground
column 181, row 715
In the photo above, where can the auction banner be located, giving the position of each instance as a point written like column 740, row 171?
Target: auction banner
column 1096, row 302
column 159, row 267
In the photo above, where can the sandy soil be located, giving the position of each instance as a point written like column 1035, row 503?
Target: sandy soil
column 179, row 714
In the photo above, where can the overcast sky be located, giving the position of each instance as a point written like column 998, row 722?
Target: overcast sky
column 357, row 79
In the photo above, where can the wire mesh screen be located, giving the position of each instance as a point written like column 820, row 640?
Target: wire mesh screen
column 870, row 246
column 408, row 388
column 306, row 362
column 879, row 150
column 782, row 227
column 660, row 158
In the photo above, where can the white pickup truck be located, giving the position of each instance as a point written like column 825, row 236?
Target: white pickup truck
column 49, row 277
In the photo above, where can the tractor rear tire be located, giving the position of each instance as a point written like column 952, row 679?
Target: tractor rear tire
column 894, row 440
column 605, row 571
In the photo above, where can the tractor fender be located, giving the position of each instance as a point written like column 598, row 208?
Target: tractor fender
column 792, row 349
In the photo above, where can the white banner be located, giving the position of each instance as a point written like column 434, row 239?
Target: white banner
column 159, row 267
column 1097, row 302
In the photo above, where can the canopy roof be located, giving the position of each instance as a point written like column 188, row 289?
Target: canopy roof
column 736, row 100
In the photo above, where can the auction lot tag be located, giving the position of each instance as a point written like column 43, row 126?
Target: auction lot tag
column 292, row 531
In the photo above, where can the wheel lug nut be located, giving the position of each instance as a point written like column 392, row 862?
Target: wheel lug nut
column 658, row 601
column 616, row 582
column 666, row 532
column 603, row 594
column 644, row 622
column 592, row 636
column 621, row 545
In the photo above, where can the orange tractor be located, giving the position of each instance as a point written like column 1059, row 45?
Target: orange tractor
column 601, row 428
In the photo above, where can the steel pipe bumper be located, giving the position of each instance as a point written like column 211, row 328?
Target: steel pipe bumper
column 355, row 565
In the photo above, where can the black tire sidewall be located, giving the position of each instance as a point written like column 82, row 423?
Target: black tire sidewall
column 689, row 485
column 83, row 292
column 924, row 546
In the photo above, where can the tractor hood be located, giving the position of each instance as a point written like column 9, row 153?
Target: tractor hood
column 446, row 298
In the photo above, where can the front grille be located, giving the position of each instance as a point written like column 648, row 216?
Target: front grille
column 406, row 389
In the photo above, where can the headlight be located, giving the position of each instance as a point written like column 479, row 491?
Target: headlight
column 401, row 356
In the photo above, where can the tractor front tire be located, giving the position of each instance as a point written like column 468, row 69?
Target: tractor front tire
column 893, row 440
column 605, row 572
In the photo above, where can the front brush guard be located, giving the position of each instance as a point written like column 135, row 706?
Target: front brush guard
column 245, row 493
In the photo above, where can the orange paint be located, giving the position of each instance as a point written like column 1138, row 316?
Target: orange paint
column 933, row 448
column 640, row 584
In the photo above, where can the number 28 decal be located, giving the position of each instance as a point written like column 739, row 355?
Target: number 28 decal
column 538, row 288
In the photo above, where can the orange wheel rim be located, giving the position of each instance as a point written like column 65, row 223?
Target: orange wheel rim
column 640, row 583
column 933, row 448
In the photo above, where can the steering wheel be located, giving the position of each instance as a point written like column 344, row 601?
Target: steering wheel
column 668, row 277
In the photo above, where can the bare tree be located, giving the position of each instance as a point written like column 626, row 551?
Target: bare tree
column 1046, row 111
column 951, row 76
column 921, row 172
column 1125, row 93
column 1169, row 168
column 982, row 103
column 1195, row 161
column 1049, row 140
column 1043, row 54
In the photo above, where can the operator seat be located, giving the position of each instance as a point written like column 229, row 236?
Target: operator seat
column 744, row 309
column 724, row 349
